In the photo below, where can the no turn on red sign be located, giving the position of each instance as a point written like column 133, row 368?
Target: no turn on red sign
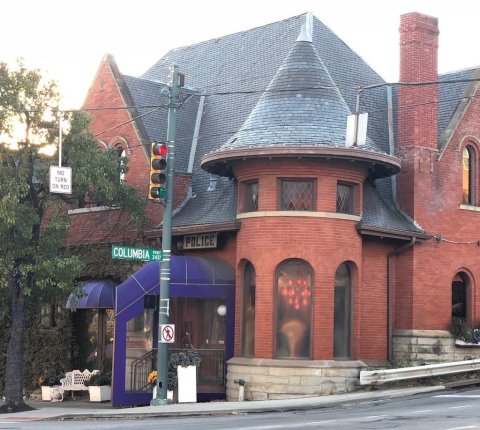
column 60, row 180
column 167, row 333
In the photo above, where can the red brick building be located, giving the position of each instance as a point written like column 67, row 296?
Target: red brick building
column 345, row 254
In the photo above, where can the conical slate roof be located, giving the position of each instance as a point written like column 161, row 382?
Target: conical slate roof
column 301, row 106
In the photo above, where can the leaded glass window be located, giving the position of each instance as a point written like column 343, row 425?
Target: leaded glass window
column 297, row 195
column 345, row 198
column 250, row 200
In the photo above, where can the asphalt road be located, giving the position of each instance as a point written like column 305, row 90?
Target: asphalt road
column 454, row 410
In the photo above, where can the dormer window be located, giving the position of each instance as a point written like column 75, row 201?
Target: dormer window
column 468, row 176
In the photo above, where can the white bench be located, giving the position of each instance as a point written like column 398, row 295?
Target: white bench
column 73, row 381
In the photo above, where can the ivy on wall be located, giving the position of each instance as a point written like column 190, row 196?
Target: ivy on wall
column 48, row 321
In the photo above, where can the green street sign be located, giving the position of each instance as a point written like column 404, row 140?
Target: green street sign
column 143, row 254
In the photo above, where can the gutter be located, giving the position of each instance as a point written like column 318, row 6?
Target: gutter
column 390, row 255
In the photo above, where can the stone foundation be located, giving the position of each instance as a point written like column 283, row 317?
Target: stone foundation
column 286, row 379
column 417, row 347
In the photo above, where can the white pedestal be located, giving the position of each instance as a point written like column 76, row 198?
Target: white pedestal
column 187, row 384
column 46, row 393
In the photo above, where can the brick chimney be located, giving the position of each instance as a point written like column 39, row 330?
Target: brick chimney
column 417, row 110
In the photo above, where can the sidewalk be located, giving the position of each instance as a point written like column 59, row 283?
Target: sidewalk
column 84, row 410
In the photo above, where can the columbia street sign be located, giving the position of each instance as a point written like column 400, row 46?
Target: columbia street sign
column 144, row 254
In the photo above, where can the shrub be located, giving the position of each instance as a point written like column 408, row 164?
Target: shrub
column 461, row 330
column 49, row 380
column 186, row 357
column 100, row 378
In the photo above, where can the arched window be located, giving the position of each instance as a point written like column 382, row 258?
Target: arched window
column 342, row 313
column 459, row 297
column 294, row 309
column 248, row 311
column 122, row 153
column 468, row 176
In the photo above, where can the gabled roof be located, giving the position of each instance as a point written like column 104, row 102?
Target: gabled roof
column 454, row 96
column 235, row 70
column 151, row 112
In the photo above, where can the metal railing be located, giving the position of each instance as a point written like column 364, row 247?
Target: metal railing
column 140, row 369
column 210, row 372
column 372, row 377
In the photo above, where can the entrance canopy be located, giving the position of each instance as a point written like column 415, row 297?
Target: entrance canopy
column 201, row 278
column 187, row 275
column 96, row 294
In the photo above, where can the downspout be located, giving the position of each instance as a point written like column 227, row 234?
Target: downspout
column 391, row 139
column 390, row 255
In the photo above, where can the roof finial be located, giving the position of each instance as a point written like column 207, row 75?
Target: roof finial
column 307, row 29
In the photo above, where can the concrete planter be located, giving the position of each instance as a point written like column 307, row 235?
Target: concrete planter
column 187, row 384
column 46, row 393
column 101, row 393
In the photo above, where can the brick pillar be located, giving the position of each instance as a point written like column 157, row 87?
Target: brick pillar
column 417, row 112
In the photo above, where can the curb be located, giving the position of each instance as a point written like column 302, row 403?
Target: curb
column 234, row 408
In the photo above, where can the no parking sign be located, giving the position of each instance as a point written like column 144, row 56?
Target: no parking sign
column 167, row 333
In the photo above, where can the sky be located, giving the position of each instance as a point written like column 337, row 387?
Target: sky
column 67, row 39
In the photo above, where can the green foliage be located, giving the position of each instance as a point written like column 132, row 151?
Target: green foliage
column 34, row 260
column 186, row 357
column 461, row 330
column 100, row 378
column 172, row 377
column 48, row 333
column 49, row 380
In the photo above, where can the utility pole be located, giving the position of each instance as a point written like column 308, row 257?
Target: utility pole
column 175, row 82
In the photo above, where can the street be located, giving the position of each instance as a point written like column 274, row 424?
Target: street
column 446, row 410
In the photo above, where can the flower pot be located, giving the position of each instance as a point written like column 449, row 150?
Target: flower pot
column 100, row 393
column 187, row 384
column 46, row 394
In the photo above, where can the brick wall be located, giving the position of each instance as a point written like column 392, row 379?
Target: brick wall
column 90, row 227
column 324, row 242
column 430, row 190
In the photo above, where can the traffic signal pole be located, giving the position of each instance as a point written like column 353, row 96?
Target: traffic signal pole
column 173, row 90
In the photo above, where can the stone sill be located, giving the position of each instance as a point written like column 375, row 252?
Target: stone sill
column 470, row 208
column 92, row 209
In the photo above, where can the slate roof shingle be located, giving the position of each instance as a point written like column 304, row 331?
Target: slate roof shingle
column 235, row 70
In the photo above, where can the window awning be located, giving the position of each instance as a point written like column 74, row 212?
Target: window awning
column 96, row 294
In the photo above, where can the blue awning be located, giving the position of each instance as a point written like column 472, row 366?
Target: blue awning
column 96, row 294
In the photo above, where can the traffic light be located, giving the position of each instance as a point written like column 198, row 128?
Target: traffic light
column 158, row 178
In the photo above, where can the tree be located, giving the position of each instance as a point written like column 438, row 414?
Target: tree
column 34, row 221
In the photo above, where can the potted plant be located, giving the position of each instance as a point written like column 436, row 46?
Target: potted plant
column 46, row 383
column 171, row 381
column 186, row 362
column 99, row 387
